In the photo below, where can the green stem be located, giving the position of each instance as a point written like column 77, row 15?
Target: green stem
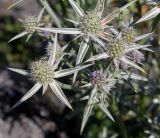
column 51, row 12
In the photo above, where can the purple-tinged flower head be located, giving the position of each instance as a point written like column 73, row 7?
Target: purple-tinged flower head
column 136, row 56
column 30, row 24
column 128, row 35
column 98, row 78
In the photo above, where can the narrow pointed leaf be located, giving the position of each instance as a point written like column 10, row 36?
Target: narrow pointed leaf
column 105, row 110
column 72, row 21
column 100, row 7
column 29, row 94
column 98, row 57
column 61, row 30
column 127, row 61
column 59, row 93
column 20, row 71
column 88, row 108
column 127, row 5
column 99, row 41
column 53, row 52
column 115, row 13
column 14, row 4
column 70, row 71
column 28, row 37
column 51, row 12
column 82, row 50
column 124, row 75
column 40, row 15
column 81, row 54
column 149, row 15
column 136, row 47
column 45, row 86
column 18, row 36
column 76, row 8
column 142, row 36
column 86, row 85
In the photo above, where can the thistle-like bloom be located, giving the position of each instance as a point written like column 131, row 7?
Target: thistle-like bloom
column 29, row 23
column 101, row 85
column 91, row 26
column 120, row 49
column 152, row 13
column 44, row 74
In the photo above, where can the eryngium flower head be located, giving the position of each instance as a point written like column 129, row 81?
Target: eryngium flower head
column 98, row 78
column 128, row 35
column 116, row 48
column 42, row 72
column 90, row 24
column 101, row 86
column 30, row 23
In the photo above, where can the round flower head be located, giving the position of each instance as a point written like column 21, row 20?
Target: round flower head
column 116, row 48
column 136, row 56
column 30, row 23
column 128, row 35
column 42, row 72
column 90, row 24
column 98, row 78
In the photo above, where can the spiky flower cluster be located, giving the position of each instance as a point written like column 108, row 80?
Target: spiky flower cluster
column 122, row 48
column 128, row 35
column 30, row 24
column 90, row 24
column 42, row 72
column 116, row 48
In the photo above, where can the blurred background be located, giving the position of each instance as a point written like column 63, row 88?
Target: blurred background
column 135, row 105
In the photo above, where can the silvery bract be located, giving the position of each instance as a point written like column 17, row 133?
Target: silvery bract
column 152, row 13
